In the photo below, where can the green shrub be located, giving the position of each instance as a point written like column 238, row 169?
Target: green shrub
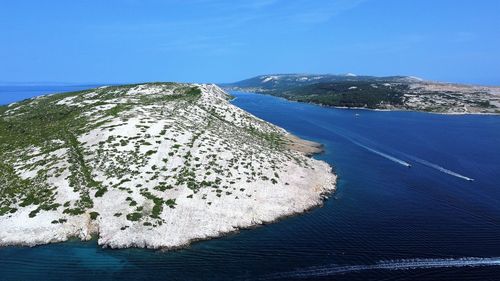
column 93, row 215
column 134, row 216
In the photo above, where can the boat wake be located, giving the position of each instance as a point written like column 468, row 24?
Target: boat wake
column 385, row 155
column 439, row 168
column 404, row 264
column 350, row 137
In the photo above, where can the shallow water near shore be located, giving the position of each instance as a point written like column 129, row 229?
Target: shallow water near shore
column 385, row 221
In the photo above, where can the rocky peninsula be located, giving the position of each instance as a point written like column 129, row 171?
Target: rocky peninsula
column 155, row 165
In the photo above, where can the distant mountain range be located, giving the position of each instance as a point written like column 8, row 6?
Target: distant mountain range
column 390, row 92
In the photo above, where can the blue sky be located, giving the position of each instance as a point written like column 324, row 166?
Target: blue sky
column 224, row 41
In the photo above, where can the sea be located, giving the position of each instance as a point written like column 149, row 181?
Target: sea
column 418, row 198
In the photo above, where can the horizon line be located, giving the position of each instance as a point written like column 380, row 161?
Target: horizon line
column 73, row 83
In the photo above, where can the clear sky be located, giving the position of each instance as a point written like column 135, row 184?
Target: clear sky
column 224, row 41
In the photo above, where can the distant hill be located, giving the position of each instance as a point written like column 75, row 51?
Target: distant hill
column 391, row 92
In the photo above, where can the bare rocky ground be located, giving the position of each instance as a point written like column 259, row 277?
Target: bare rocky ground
column 452, row 98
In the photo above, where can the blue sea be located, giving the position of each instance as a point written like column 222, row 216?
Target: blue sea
column 418, row 198
column 14, row 93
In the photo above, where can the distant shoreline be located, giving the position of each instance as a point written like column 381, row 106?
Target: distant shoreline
column 364, row 108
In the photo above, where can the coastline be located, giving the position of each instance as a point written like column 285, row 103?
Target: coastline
column 307, row 147
column 94, row 236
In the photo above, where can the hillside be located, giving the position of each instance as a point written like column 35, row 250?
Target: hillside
column 393, row 92
column 148, row 165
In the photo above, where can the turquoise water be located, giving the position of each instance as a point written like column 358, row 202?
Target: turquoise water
column 437, row 220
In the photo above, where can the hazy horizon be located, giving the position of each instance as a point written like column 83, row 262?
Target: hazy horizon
column 55, row 83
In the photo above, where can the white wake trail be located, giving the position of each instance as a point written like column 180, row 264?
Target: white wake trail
column 405, row 264
column 348, row 136
column 387, row 156
column 439, row 168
